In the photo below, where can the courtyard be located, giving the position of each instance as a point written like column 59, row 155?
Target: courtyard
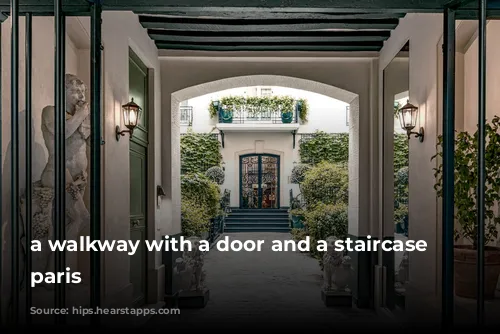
column 274, row 288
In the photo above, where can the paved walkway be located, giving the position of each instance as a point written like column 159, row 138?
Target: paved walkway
column 275, row 288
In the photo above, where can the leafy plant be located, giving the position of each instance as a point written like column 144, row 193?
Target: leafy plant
column 195, row 219
column 326, row 220
column 216, row 174
column 199, row 151
column 299, row 173
column 466, row 176
column 259, row 105
column 325, row 183
column 325, row 147
column 199, row 189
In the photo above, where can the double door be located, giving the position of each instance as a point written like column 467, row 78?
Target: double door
column 259, row 181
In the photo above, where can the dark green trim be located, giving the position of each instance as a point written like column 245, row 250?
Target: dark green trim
column 259, row 155
column 276, row 15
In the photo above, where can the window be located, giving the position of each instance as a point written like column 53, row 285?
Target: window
column 266, row 92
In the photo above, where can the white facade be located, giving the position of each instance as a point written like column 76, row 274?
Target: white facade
column 325, row 114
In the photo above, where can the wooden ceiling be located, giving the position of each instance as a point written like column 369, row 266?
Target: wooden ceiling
column 264, row 25
column 270, row 31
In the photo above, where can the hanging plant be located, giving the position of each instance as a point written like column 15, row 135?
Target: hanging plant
column 256, row 106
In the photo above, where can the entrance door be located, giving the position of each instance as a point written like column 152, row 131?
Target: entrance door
column 138, row 88
column 259, row 181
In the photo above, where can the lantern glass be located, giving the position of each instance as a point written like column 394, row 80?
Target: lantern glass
column 131, row 114
column 408, row 117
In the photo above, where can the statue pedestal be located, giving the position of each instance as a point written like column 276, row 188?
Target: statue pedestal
column 336, row 298
column 193, row 299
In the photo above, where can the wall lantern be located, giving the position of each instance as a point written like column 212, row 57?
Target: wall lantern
column 408, row 119
column 131, row 115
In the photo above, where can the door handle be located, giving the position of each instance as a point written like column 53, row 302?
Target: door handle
column 135, row 223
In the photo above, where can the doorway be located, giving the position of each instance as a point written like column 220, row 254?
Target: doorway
column 259, row 181
column 138, row 152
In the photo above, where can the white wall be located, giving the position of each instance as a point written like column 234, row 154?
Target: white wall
column 325, row 113
column 424, row 32
column 120, row 30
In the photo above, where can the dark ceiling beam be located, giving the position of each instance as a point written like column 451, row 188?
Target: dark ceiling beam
column 276, row 15
column 268, row 36
column 317, row 6
column 272, row 47
column 159, row 22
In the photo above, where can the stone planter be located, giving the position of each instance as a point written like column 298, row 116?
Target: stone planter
column 466, row 272
column 297, row 221
column 287, row 117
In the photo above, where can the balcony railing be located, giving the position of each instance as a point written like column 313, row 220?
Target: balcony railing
column 257, row 115
column 186, row 115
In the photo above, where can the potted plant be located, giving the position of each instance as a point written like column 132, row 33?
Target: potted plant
column 466, row 176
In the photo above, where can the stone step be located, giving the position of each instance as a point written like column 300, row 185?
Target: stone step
column 234, row 229
column 256, row 224
column 256, row 219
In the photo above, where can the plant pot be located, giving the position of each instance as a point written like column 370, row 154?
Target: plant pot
column 466, row 272
column 297, row 221
column 226, row 116
column 287, row 117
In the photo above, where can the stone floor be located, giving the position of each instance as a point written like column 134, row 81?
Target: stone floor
column 264, row 289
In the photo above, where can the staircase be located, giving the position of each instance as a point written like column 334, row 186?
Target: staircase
column 257, row 220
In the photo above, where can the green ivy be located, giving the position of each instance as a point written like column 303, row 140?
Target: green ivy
column 466, row 176
column 199, row 152
column 325, row 147
column 200, row 202
column 256, row 105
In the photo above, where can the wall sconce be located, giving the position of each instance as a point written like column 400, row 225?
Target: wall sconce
column 131, row 116
column 160, row 192
column 408, row 119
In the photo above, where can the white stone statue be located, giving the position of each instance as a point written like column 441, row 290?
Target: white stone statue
column 332, row 260
column 343, row 275
column 77, row 214
column 189, row 274
column 182, row 275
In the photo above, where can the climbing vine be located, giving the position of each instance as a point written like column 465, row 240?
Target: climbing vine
column 199, row 152
column 334, row 147
column 323, row 146
column 257, row 105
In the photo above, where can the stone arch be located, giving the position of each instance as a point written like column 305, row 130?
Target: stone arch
column 267, row 80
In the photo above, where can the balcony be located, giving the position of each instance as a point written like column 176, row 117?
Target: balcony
column 258, row 116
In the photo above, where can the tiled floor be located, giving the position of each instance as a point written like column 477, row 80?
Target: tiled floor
column 252, row 289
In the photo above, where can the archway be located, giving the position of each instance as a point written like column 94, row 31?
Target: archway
column 270, row 80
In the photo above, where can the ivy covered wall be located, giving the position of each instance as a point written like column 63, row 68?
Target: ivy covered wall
column 199, row 152
column 334, row 147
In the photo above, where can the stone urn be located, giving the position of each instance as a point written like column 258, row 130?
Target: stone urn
column 466, row 272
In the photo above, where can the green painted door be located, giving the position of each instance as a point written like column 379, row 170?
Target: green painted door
column 138, row 88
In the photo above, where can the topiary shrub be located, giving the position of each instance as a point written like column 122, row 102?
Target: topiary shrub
column 200, row 202
column 326, row 220
column 216, row 174
column 195, row 220
column 325, row 183
column 299, row 173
